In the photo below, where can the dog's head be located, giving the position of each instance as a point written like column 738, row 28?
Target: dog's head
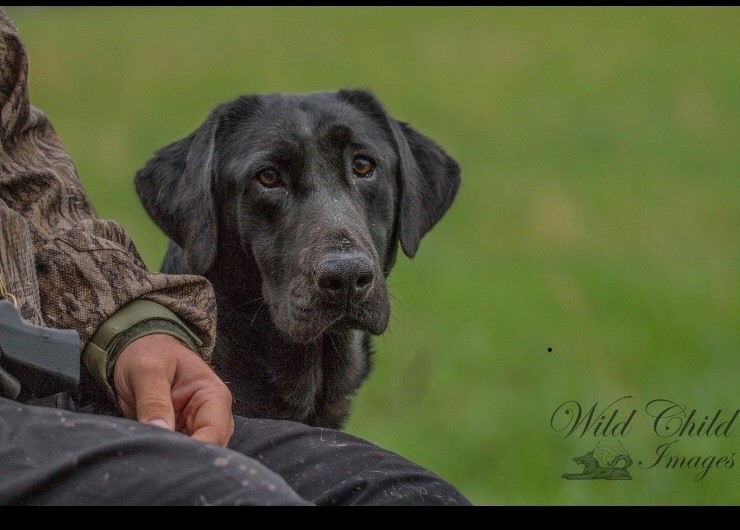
column 319, row 188
column 584, row 459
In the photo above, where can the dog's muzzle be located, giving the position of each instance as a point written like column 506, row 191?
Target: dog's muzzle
column 345, row 278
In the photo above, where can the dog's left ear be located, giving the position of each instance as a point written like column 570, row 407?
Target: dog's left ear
column 428, row 177
column 429, row 182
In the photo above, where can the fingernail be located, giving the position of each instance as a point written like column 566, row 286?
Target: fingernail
column 159, row 423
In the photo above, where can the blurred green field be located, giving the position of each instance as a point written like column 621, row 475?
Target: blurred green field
column 599, row 214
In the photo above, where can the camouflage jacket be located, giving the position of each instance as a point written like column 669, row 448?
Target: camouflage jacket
column 66, row 267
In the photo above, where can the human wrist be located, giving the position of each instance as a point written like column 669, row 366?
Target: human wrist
column 137, row 319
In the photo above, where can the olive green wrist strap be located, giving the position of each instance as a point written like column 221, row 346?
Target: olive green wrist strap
column 133, row 321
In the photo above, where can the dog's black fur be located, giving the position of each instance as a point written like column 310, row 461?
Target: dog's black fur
column 266, row 200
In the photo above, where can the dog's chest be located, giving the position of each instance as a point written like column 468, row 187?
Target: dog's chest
column 332, row 369
column 309, row 383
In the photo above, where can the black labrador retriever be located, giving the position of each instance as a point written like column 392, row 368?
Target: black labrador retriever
column 293, row 207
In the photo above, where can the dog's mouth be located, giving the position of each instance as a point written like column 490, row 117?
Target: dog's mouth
column 305, row 321
column 322, row 321
column 349, row 321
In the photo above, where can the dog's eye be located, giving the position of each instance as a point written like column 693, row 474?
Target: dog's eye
column 269, row 178
column 362, row 167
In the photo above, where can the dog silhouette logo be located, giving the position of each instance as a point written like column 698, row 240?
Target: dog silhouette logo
column 608, row 461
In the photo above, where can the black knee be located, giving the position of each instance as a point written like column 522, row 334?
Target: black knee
column 329, row 467
column 59, row 457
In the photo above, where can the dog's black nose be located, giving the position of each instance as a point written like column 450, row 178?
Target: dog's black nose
column 345, row 276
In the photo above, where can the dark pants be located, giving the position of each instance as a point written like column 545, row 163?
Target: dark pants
column 52, row 456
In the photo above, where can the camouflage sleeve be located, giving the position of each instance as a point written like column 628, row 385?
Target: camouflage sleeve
column 87, row 268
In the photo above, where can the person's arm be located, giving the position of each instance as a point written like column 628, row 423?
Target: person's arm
column 137, row 327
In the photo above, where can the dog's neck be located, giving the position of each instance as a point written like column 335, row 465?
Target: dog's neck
column 270, row 375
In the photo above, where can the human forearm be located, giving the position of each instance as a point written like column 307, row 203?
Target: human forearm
column 87, row 268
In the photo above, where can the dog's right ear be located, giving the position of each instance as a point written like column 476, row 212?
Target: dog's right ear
column 175, row 189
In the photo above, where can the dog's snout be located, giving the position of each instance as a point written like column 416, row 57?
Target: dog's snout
column 345, row 276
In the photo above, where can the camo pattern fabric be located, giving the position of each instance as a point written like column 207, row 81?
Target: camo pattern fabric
column 66, row 267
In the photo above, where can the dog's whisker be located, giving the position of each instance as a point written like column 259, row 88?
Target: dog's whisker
column 256, row 313
column 241, row 306
column 399, row 305
column 331, row 339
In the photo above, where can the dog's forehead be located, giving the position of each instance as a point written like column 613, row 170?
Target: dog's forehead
column 312, row 116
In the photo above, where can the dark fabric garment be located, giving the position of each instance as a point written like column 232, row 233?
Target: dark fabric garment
column 51, row 456
column 56, row 457
column 330, row 467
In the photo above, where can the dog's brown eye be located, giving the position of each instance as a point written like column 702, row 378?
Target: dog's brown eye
column 269, row 178
column 362, row 167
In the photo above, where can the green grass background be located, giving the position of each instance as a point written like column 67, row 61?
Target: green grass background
column 598, row 213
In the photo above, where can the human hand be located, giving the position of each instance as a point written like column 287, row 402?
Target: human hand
column 160, row 381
